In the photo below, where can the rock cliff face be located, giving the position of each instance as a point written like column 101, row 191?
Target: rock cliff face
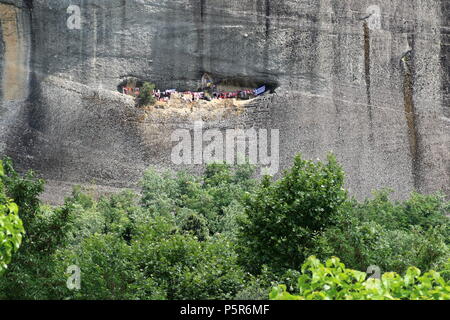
column 367, row 80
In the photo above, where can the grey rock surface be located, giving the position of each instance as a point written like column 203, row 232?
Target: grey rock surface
column 371, row 86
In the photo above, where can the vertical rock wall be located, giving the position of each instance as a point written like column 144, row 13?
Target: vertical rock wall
column 15, row 46
column 366, row 79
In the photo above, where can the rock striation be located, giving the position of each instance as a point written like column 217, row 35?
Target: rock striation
column 366, row 79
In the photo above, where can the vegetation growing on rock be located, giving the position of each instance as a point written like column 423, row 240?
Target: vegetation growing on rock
column 146, row 94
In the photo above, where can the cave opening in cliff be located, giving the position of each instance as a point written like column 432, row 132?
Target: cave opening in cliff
column 221, row 82
column 233, row 84
column 208, row 87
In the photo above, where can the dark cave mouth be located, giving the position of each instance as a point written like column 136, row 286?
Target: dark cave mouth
column 222, row 83
column 245, row 83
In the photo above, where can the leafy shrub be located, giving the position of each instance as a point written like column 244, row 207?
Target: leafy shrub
column 363, row 244
column 135, row 256
column 391, row 235
column 283, row 216
column 11, row 227
column 23, row 189
column 108, row 271
column 425, row 211
column 253, row 290
column 193, row 223
column 160, row 193
column 333, row 281
column 223, row 236
column 47, row 230
column 146, row 94
column 210, row 201
column 183, row 266
column 80, row 198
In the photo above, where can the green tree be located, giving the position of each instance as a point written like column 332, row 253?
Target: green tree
column 283, row 216
column 222, row 235
column 146, row 94
column 108, row 271
column 47, row 230
column 425, row 211
column 201, row 205
column 390, row 234
column 184, row 267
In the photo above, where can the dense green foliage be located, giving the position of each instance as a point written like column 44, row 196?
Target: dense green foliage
column 391, row 235
column 222, row 235
column 333, row 281
column 46, row 229
column 283, row 216
column 11, row 227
